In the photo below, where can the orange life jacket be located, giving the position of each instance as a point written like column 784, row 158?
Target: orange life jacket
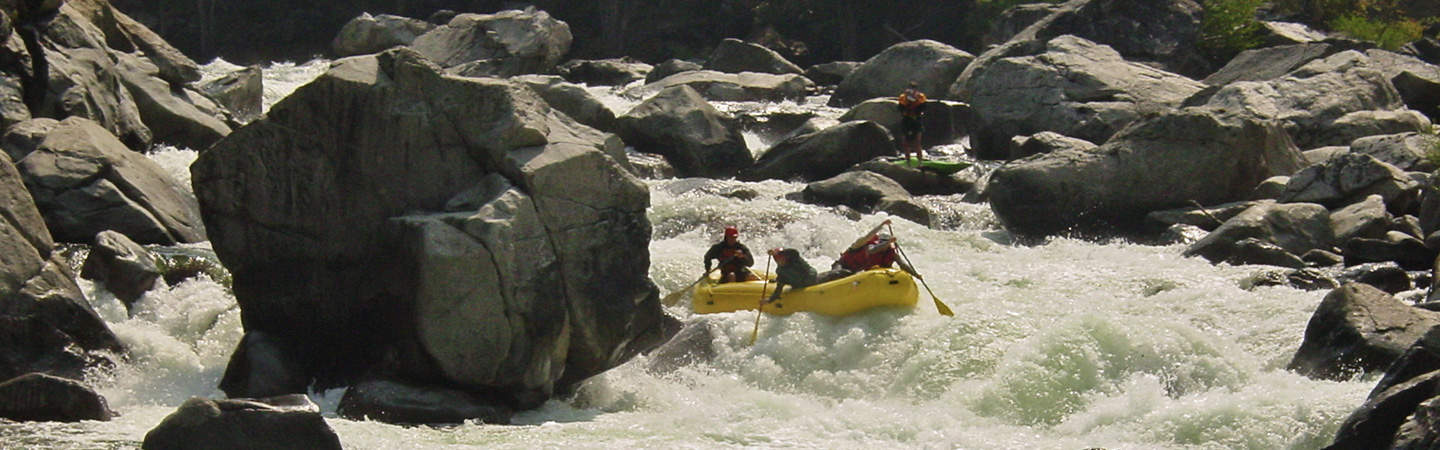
column 912, row 102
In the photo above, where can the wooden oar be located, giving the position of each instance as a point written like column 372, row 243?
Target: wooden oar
column 674, row 297
column 939, row 305
column 760, row 310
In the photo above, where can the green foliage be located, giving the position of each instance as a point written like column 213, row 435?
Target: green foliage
column 1388, row 34
column 1229, row 27
column 177, row 268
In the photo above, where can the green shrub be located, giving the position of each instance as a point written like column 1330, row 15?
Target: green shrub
column 1388, row 34
column 1229, row 27
column 178, row 268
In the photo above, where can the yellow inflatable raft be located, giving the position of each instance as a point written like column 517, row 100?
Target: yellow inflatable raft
column 861, row 291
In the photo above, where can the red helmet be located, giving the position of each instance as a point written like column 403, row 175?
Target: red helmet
column 730, row 231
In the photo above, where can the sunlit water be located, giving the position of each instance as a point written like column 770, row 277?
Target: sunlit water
column 1066, row 345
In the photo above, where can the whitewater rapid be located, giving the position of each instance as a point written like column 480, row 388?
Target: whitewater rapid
column 1065, row 344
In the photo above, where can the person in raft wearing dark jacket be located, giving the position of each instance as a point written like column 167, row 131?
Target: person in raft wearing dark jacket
column 790, row 270
column 874, row 249
column 735, row 259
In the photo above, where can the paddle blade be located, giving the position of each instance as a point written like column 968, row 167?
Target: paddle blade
column 673, row 298
column 940, row 306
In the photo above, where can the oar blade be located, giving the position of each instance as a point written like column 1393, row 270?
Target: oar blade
column 940, row 306
column 673, row 297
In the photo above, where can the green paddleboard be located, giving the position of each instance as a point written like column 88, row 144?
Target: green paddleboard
column 941, row 167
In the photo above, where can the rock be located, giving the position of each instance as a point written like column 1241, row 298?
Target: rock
column 400, row 403
column 241, row 92
column 1366, row 219
column 172, row 115
column 1015, row 19
column 1417, row 81
column 1360, row 124
column 1322, row 154
column 1417, row 432
column 1071, row 86
column 373, row 34
column 735, row 56
column 1295, row 227
column 1401, row 248
column 1405, row 151
column 1349, row 178
column 571, row 99
column 503, row 44
column 945, row 121
column 1358, row 328
column 1322, row 258
column 1046, row 142
column 931, row 65
column 263, row 366
column 1257, row 251
column 1206, row 218
column 867, row 192
column 38, row 397
column 560, row 237
column 1422, row 357
column 1386, row 276
column 1310, row 280
column 920, row 182
column 126, row 35
column 670, row 67
column 604, row 72
column 1205, row 159
column 1267, row 63
column 650, row 166
column 85, row 181
column 831, row 73
column 694, row 344
column 1374, row 424
column 243, row 424
column 87, row 81
column 823, row 154
column 125, row 268
column 697, row 139
column 731, row 87
column 1289, row 33
column 1271, row 188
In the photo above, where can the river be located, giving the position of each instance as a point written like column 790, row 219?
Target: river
column 1066, row 344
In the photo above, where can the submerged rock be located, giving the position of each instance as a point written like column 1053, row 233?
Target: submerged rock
column 291, row 422
column 39, row 397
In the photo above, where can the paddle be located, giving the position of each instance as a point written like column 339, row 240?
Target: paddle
column 760, row 310
column 939, row 306
column 674, row 297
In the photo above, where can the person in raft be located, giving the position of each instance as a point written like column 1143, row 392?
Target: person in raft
column 874, row 249
column 912, row 115
column 790, row 269
column 735, row 259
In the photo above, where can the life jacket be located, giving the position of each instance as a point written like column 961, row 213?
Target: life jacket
column 912, row 102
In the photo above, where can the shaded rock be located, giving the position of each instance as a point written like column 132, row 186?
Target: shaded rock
column 680, row 125
column 373, row 34
column 930, row 64
column 1257, row 251
column 649, row 165
column 1322, row 258
column 1386, row 276
column 670, row 67
column 822, row 154
column 86, row 80
column 1071, row 86
column 1417, row 81
column 1366, row 219
column 126, row 268
column 1375, row 423
column 241, row 92
column 1294, row 227
column 571, row 99
column 1418, row 431
column 503, row 44
column 831, row 73
column 1406, row 151
column 559, row 237
column 920, row 182
column 24, row 137
column 1164, row 162
column 1358, row 328
column 1349, row 178
column 1270, row 189
column 1422, row 357
column 1310, row 280
column 37, row 397
column 694, row 344
column 244, row 424
column 32, row 344
column 1206, row 218
column 866, row 192
column 1268, row 63
column 731, row 87
column 1401, row 248
column 1046, row 142
column 172, row 114
column 401, row 403
column 735, row 56
column 263, row 366
column 604, row 72
column 126, row 35
column 1015, row 19
column 85, row 181
column 944, row 121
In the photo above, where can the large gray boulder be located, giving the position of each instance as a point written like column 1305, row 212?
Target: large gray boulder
column 1349, row 178
column 125, row 268
column 370, row 34
column 1268, row 63
column 604, row 72
column 731, row 87
column 919, row 181
column 735, row 56
column 503, row 44
column 571, row 99
column 1163, row 162
column 822, row 154
column 1357, row 329
column 173, row 115
column 931, row 65
column 291, row 422
column 866, row 192
column 1046, row 142
column 1417, row 81
column 1409, row 152
column 1294, row 227
column 1377, row 423
column 404, row 403
column 126, row 35
column 86, row 81
column 670, row 67
column 945, row 121
column 458, row 224
column 1074, row 87
column 680, row 125
column 241, row 92
column 86, row 181
column 37, row 397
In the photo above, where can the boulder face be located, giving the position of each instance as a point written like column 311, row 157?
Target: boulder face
column 369, row 34
column 40, row 397
column 931, row 65
column 85, row 181
column 1358, row 328
column 731, row 87
column 680, row 125
column 822, row 154
column 1163, row 162
column 126, row 268
column 291, row 422
column 386, row 208
column 1074, row 87
column 944, row 121
column 503, row 44
column 734, row 56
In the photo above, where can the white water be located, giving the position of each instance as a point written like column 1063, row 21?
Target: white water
column 1069, row 344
